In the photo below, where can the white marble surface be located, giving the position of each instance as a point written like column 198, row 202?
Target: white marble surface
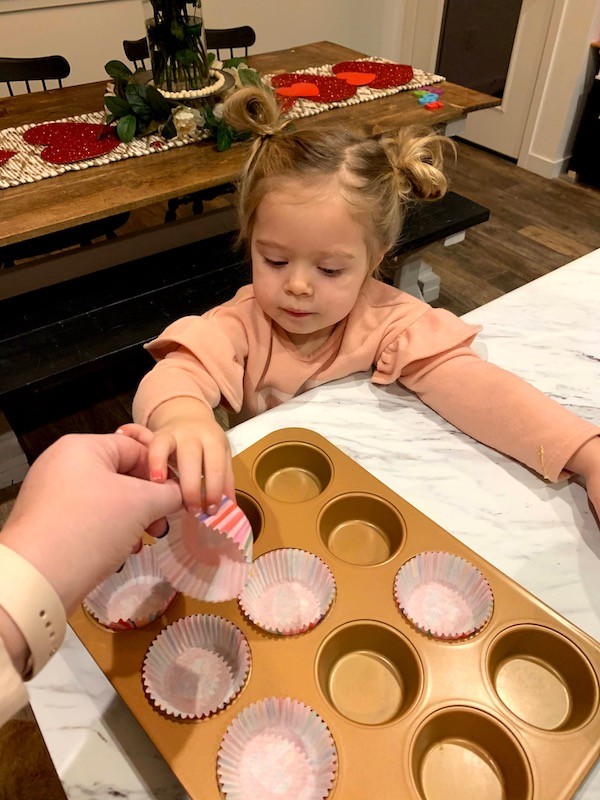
column 543, row 536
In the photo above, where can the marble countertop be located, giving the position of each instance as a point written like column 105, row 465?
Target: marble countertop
column 543, row 536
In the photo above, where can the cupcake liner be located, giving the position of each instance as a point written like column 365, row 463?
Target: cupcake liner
column 443, row 595
column 133, row 597
column 277, row 749
column 196, row 666
column 207, row 556
column 288, row 591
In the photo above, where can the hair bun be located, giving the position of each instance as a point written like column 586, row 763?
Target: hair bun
column 254, row 110
column 417, row 157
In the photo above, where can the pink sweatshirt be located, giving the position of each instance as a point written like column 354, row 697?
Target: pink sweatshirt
column 235, row 355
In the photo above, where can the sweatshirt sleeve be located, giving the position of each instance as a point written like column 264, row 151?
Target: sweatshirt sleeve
column 200, row 357
column 488, row 403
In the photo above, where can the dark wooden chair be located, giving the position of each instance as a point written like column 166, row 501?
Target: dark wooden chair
column 50, row 68
column 136, row 51
column 24, row 70
column 231, row 39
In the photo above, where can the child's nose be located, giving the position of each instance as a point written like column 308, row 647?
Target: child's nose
column 298, row 283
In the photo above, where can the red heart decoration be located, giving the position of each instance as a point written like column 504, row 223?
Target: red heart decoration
column 72, row 141
column 5, row 155
column 329, row 89
column 387, row 74
column 357, row 78
column 299, row 90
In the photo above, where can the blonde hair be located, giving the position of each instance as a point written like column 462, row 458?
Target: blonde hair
column 379, row 177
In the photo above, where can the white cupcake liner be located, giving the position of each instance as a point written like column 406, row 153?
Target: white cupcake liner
column 443, row 595
column 133, row 597
column 207, row 556
column 196, row 666
column 288, row 591
column 277, row 749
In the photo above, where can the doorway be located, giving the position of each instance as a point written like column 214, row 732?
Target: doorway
column 495, row 47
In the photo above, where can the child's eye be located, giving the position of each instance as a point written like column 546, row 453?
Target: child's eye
column 330, row 272
column 272, row 263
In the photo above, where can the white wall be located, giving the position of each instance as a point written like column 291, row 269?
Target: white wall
column 89, row 32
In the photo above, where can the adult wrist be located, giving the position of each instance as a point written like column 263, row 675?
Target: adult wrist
column 33, row 605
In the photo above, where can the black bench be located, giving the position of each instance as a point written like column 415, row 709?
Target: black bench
column 84, row 335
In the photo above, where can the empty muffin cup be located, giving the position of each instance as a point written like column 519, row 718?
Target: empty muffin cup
column 133, row 597
column 277, row 749
column 207, row 556
column 196, row 666
column 288, row 591
column 443, row 595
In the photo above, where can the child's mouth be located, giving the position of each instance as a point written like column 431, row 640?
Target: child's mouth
column 296, row 314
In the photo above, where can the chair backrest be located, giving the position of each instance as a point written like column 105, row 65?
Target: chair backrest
column 136, row 51
column 230, row 39
column 13, row 70
column 217, row 39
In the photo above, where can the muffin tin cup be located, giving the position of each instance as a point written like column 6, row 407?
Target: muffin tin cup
column 288, row 591
column 443, row 595
column 133, row 597
column 277, row 749
column 207, row 556
column 196, row 666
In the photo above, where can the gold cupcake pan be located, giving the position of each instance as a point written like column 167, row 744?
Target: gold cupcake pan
column 510, row 713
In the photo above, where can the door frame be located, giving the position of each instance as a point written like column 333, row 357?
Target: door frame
column 420, row 42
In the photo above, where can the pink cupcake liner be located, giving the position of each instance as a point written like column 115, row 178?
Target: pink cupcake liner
column 288, row 591
column 133, row 597
column 277, row 749
column 443, row 595
column 196, row 666
column 207, row 556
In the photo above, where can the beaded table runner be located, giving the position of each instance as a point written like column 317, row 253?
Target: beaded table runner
column 30, row 153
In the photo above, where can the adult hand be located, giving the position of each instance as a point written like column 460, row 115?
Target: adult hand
column 586, row 462
column 82, row 509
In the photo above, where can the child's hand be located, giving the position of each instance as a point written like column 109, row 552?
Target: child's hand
column 186, row 431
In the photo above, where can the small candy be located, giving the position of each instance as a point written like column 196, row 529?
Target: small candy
column 435, row 104
column 419, row 93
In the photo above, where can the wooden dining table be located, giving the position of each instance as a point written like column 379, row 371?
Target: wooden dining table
column 57, row 203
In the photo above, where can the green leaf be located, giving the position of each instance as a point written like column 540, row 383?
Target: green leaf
column 187, row 57
column 117, row 69
column 194, row 30
column 111, row 118
column 177, row 31
column 210, row 57
column 136, row 95
column 126, row 128
column 234, row 62
column 116, row 105
column 169, row 131
column 209, row 118
column 161, row 107
column 224, row 137
column 249, row 77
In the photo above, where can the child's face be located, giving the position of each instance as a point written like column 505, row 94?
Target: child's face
column 309, row 260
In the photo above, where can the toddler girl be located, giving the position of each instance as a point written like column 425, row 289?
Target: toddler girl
column 319, row 209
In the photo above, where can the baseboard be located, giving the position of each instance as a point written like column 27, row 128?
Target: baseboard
column 545, row 167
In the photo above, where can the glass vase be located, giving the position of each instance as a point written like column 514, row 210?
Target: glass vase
column 177, row 44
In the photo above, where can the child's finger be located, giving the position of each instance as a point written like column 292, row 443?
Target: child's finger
column 159, row 449
column 215, row 477
column 138, row 432
column 229, row 479
column 189, row 465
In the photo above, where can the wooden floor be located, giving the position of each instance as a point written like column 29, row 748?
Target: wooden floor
column 535, row 226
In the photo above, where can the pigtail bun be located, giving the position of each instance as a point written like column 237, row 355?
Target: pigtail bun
column 417, row 157
column 253, row 110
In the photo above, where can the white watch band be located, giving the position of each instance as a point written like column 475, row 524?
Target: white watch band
column 34, row 606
